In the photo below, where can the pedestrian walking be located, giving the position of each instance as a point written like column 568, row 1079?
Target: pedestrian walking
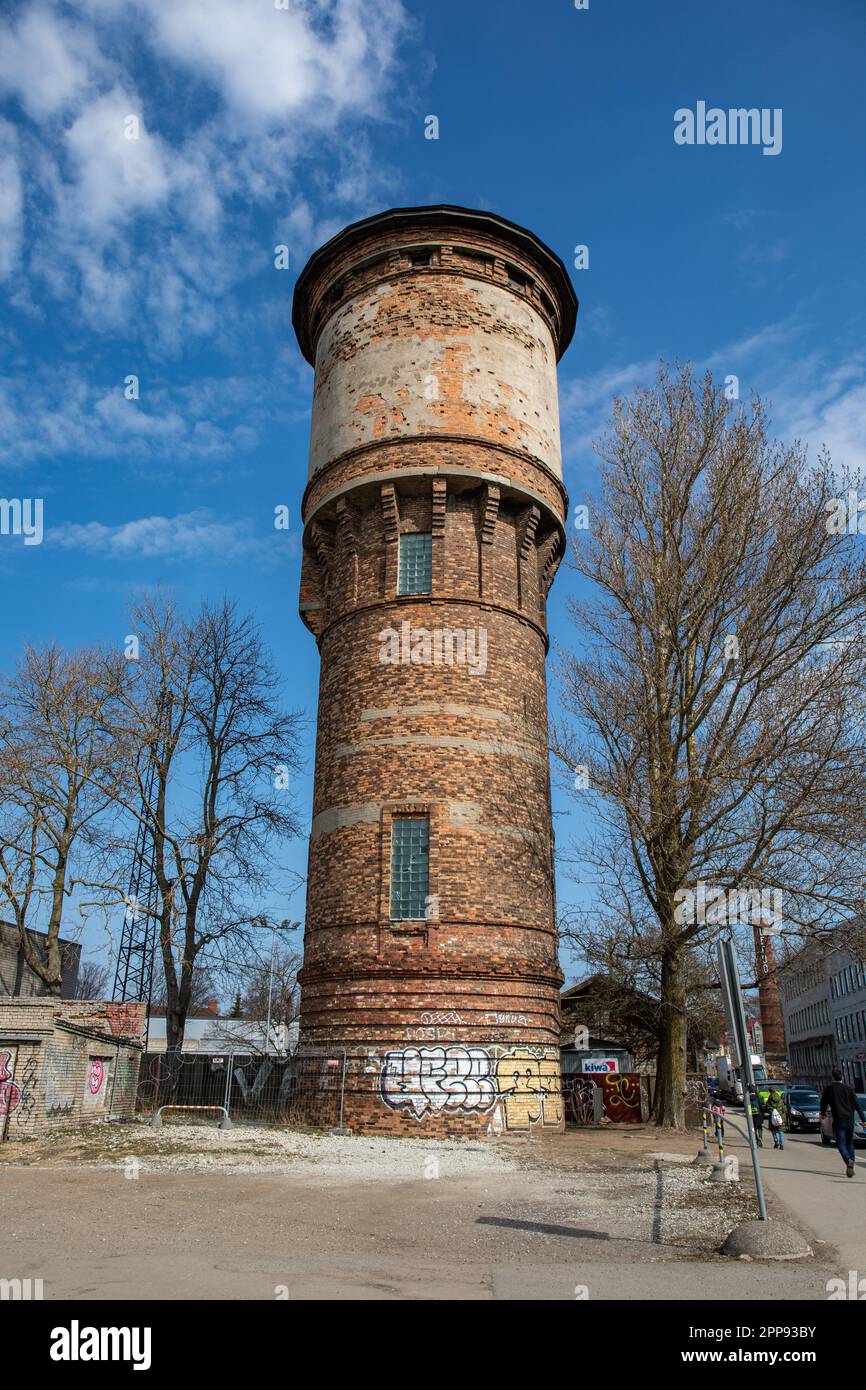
column 776, row 1112
column 756, row 1105
column 842, row 1101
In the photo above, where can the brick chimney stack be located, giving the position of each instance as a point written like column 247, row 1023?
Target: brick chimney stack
column 434, row 523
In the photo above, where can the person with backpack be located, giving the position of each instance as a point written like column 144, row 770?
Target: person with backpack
column 842, row 1101
column 776, row 1111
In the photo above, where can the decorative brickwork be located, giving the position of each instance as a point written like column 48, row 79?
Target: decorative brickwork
column 435, row 335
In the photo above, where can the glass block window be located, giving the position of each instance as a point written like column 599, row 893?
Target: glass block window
column 410, row 856
column 415, row 570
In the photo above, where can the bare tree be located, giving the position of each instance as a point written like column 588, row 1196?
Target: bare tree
column 718, row 691
column 59, row 770
column 278, row 989
column 93, row 980
column 205, row 991
column 210, row 757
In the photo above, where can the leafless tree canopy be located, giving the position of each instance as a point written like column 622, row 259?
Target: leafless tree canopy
column 94, row 980
column 185, row 743
column 715, row 694
column 59, row 771
column 209, row 757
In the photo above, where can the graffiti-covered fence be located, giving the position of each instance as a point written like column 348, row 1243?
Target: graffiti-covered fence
column 620, row 1097
column 254, row 1088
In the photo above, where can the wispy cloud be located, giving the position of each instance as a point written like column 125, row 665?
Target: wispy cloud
column 58, row 414
column 161, row 219
column 195, row 535
column 818, row 397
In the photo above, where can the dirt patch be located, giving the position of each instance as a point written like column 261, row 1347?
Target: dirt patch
column 613, row 1184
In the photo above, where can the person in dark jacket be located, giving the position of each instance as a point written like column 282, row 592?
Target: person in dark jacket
column 841, row 1101
column 756, row 1105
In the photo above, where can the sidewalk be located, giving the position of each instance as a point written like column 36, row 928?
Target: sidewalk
column 810, row 1180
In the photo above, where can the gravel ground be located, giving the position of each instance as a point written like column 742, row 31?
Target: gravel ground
column 319, row 1157
column 611, row 1187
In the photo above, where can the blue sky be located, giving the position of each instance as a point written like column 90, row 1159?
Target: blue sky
column 260, row 126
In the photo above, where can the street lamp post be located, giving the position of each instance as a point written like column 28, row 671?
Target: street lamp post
column 274, row 926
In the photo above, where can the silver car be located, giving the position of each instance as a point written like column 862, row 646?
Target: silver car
column 826, row 1126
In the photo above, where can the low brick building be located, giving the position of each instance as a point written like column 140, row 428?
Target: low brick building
column 66, row 1062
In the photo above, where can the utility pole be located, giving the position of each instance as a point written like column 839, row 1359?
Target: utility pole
column 285, row 925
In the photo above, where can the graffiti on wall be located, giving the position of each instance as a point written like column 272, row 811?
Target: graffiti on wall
column 10, row 1094
column 428, row 1080
column 96, row 1085
column 435, row 1025
column 26, row 1080
column 518, row 1086
column 59, row 1093
column 579, row 1094
column 620, row 1097
column 529, row 1083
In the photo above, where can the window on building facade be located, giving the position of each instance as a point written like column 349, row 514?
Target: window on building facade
column 410, row 861
column 415, row 570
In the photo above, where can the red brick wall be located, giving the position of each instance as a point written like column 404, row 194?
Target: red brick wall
column 448, row 425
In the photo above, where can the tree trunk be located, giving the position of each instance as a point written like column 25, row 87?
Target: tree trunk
column 669, row 1104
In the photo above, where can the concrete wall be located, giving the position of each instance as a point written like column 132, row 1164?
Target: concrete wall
column 65, row 1063
column 413, row 357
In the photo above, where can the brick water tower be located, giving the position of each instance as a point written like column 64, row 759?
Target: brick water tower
column 434, row 521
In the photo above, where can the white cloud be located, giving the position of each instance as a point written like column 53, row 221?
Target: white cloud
column 11, row 200
column 819, row 397
column 823, row 405
column 586, row 402
column 268, row 63
column 47, row 63
column 160, row 233
column 114, row 177
column 195, row 535
column 55, row 415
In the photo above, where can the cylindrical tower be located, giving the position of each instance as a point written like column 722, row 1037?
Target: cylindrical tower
column 433, row 527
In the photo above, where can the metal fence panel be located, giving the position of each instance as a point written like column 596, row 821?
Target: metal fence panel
column 254, row 1088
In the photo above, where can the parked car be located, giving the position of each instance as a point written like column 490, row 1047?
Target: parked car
column 827, row 1135
column 804, row 1108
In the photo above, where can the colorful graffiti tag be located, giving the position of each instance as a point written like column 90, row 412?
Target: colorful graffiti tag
column 96, row 1075
column 520, row 1084
column 620, row 1097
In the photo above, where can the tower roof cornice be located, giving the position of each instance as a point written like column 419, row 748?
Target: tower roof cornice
column 398, row 222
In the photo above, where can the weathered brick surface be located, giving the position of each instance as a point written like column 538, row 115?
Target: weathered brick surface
column 66, row 1062
column 434, row 410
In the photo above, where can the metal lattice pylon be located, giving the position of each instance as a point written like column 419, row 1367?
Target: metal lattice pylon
column 133, row 978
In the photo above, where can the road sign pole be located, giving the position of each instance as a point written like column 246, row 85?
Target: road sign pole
column 736, row 1015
